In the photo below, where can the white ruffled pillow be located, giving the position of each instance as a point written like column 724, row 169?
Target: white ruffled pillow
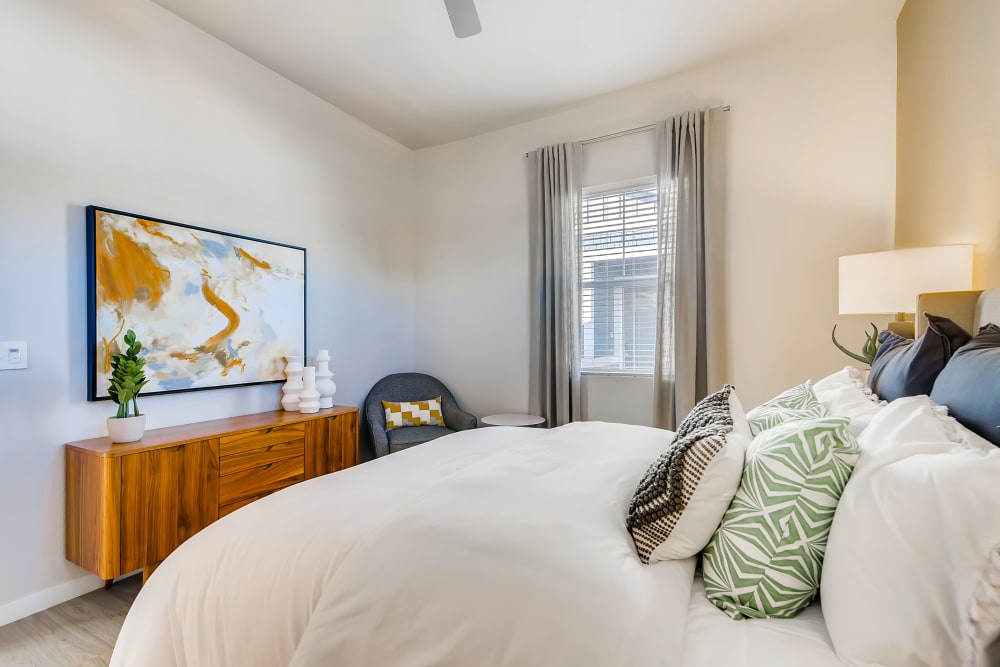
column 912, row 568
column 845, row 394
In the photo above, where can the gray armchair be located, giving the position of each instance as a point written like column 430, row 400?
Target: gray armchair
column 411, row 387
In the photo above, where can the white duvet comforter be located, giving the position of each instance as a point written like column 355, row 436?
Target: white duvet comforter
column 498, row 546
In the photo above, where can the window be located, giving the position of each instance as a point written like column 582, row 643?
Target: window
column 618, row 273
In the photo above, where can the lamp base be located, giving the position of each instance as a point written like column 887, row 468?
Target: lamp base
column 903, row 325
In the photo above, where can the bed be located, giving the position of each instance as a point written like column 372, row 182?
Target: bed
column 497, row 546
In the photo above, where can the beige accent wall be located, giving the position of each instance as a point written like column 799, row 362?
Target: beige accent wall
column 948, row 128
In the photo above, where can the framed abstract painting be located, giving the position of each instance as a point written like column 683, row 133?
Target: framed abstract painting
column 213, row 310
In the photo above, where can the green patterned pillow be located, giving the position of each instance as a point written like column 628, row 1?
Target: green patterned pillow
column 797, row 403
column 765, row 559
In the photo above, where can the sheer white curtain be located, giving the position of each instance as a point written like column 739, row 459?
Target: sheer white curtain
column 554, row 391
column 689, row 350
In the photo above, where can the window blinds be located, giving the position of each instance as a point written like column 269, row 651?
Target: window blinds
column 618, row 271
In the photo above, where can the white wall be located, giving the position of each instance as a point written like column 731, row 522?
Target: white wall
column 811, row 171
column 124, row 105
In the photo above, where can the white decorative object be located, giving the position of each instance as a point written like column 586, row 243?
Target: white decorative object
column 293, row 385
column 324, row 382
column 309, row 397
column 126, row 429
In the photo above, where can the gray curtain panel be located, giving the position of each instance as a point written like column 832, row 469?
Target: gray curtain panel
column 688, row 361
column 554, row 392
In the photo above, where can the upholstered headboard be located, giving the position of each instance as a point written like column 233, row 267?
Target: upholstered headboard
column 970, row 310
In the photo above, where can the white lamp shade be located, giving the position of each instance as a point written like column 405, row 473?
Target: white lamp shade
column 889, row 282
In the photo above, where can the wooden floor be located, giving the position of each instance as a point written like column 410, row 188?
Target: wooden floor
column 79, row 632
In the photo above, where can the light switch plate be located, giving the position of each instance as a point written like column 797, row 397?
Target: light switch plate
column 13, row 355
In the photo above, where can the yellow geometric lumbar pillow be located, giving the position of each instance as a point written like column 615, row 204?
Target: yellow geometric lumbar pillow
column 413, row 413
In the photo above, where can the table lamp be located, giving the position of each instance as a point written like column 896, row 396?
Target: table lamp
column 889, row 282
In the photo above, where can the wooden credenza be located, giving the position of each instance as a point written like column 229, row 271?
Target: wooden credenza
column 129, row 505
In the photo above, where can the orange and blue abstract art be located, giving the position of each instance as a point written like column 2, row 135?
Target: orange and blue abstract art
column 213, row 309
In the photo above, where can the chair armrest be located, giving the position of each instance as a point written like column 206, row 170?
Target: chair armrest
column 380, row 440
column 376, row 426
column 457, row 419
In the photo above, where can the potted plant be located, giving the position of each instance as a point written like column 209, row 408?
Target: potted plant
column 127, row 380
column 869, row 349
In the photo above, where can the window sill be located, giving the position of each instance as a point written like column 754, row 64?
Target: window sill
column 628, row 374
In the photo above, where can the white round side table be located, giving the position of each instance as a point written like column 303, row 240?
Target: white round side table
column 513, row 420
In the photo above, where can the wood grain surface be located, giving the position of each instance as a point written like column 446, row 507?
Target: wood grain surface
column 333, row 445
column 254, row 458
column 175, row 435
column 168, row 495
column 234, row 443
column 128, row 506
column 261, row 480
column 93, row 506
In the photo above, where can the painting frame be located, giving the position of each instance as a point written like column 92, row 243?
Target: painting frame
column 216, row 362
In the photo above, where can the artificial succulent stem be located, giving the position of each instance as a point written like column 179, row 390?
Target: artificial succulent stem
column 869, row 349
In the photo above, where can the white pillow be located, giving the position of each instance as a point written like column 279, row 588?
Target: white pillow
column 913, row 425
column 845, row 394
column 912, row 569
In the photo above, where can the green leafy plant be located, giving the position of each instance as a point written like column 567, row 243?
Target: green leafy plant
column 127, row 377
column 867, row 352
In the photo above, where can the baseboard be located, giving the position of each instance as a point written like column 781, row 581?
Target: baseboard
column 50, row 597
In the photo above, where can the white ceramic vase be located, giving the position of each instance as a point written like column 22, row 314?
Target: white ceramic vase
column 126, row 429
column 324, row 382
column 293, row 385
column 309, row 397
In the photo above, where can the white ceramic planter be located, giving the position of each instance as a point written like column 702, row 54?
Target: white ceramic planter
column 126, row 429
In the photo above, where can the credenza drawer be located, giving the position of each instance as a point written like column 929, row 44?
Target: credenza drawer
column 260, row 480
column 254, row 458
column 232, row 507
column 241, row 442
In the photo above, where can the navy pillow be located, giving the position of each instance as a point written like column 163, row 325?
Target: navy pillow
column 904, row 367
column 970, row 384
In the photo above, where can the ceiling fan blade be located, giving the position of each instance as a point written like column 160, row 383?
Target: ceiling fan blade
column 464, row 18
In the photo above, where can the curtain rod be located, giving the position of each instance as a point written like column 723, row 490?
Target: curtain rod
column 634, row 130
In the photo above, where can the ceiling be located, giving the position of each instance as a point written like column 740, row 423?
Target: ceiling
column 395, row 64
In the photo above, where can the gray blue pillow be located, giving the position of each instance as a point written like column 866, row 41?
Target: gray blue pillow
column 970, row 384
column 904, row 367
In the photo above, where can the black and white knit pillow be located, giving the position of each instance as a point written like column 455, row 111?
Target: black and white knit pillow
column 681, row 499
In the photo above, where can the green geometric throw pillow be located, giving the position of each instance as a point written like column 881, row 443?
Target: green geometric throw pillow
column 797, row 403
column 765, row 559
